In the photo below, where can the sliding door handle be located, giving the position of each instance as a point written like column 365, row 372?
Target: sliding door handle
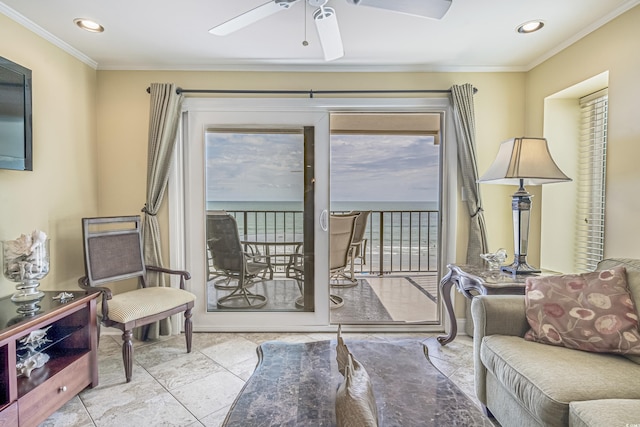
column 324, row 215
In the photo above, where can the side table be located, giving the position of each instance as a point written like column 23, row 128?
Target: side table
column 469, row 278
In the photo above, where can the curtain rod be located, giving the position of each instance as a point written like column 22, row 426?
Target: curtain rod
column 309, row 92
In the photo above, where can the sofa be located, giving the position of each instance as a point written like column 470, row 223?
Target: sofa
column 527, row 383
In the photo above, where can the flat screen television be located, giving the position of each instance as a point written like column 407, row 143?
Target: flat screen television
column 15, row 116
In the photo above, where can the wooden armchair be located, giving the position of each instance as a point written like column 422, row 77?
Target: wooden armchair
column 113, row 252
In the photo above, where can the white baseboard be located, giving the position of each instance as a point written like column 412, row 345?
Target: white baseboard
column 462, row 327
column 104, row 331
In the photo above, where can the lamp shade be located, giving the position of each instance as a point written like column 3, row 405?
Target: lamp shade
column 524, row 161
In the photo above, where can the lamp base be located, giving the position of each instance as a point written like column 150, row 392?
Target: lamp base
column 519, row 267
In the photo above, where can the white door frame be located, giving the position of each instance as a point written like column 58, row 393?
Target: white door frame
column 186, row 209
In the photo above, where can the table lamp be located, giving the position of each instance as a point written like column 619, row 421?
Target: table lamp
column 522, row 161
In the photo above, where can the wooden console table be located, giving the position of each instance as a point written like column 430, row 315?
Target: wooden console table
column 469, row 278
column 71, row 341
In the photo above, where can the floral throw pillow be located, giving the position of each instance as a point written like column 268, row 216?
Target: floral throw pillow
column 590, row 312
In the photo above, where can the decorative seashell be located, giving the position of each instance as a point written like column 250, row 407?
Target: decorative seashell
column 40, row 359
column 25, row 368
column 35, row 338
column 38, row 238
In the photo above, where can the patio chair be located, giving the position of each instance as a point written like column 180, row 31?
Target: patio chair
column 341, row 231
column 113, row 253
column 220, row 279
column 359, row 242
column 232, row 262
column 295, row 270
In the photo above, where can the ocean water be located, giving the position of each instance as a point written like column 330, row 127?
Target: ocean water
column 401, row 236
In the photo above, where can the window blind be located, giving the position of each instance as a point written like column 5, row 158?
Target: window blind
column 592, row 162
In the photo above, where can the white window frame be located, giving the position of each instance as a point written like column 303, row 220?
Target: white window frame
column 182, row 202
column 592, row 173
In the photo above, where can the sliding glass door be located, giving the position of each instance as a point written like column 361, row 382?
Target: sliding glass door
column 386, row 167
column 252, row 206
column 263, row 166
column 260, row 183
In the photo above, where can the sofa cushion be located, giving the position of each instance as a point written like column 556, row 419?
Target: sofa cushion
column 633, row 280
column 546, row 378
column 590, row 312
column 605, row 412
column 633, row 273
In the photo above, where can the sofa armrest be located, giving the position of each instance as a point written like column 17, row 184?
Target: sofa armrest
column 494, row 315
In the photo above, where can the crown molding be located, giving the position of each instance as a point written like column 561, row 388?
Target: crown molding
column 32, row 26
column 320, row 68
column 274, row 66
column 588, row 30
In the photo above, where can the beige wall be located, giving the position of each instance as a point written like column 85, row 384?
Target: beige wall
column 62, row 188
column 613, row 48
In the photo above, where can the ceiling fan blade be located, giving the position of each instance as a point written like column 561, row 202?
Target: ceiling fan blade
column 329, row 33
column 425, row 8
column 254, row 15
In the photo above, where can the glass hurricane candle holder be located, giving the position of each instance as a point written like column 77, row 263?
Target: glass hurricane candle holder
column 496, row 259
column 26, row 262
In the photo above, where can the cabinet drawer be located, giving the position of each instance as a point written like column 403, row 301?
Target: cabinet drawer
column 9, row 416
column 35, row 406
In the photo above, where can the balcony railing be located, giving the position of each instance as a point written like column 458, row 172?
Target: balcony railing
column 397, row 241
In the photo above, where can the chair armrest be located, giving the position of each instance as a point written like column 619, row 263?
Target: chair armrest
column 295, row 265
column 257, row 257
column 499, row 315
column 83, row 282
column 494, row 315
column 184, row 275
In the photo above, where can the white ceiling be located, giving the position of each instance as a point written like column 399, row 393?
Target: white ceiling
column 475, row 35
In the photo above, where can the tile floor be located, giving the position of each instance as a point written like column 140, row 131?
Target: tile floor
column 173, row 388
column 406, row 298
column 404, row 301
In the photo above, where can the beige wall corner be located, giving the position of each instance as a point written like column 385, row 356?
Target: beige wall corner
column 609, row 49
column 62, row 188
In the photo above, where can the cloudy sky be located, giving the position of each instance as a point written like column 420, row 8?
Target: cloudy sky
column 268, row 167
column 384, row 168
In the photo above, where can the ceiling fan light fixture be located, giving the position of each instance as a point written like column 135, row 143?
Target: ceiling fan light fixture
column 329, row 33
column 530, row 26
column 88, row 25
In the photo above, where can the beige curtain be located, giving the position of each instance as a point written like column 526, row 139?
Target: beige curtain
column 464, row 118
column 164, row 114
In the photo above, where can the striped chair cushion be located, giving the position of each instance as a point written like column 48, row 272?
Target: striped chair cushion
column 145, row 302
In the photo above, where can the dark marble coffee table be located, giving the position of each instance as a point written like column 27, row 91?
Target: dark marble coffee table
column 295, row 384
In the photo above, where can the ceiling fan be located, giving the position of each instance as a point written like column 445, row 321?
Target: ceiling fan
column 326, row 21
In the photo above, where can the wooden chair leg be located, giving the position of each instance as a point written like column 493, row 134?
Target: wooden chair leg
column 127, row 354
column 188, row 329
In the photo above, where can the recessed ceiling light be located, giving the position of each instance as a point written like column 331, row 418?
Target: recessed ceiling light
column 530, row 27
column 89, row 25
